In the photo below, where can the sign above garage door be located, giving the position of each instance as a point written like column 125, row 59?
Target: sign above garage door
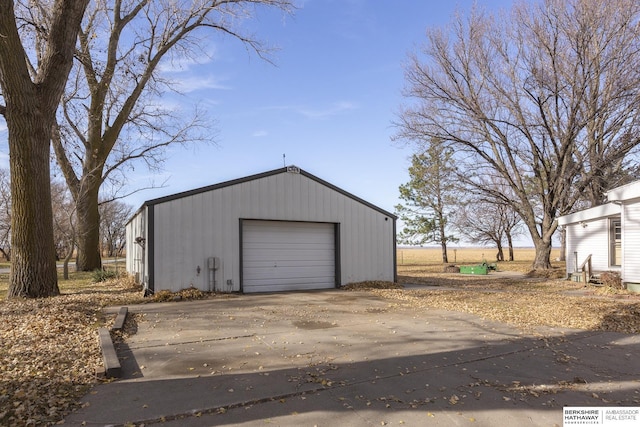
column 287, row 256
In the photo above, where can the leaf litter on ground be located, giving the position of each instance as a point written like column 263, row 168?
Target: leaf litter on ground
column 49, row 350
column 523, row 302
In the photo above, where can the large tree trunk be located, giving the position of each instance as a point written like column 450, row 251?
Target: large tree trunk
column 542, row 260
column 32, row 98
column 88, row 226
column 542, row 235
column 33, row 264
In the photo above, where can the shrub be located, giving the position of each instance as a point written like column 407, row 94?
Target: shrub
column 99, row 275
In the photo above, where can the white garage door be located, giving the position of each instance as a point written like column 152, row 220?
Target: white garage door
column 287, row 256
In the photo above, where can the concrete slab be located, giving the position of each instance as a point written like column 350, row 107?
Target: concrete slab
column 110, row 360
column 121, row 318
column 350, row 358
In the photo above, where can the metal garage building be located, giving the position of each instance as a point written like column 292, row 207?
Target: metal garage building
column 281, row 230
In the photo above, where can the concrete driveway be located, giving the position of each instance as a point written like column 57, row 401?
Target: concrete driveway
column 349, row 358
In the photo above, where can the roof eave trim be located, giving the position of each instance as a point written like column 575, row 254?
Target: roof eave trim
column 260, row 176
column 596, row 212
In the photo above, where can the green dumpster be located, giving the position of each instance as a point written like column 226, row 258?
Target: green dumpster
column 474, row 269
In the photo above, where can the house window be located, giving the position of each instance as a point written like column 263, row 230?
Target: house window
column 615, row 239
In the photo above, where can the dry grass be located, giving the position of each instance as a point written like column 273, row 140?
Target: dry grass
column 544, row 304
column 523, row 300
column 431, row 258
column 424, row 265
column 76, row 283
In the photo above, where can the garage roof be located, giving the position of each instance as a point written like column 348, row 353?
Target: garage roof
column 290, row 169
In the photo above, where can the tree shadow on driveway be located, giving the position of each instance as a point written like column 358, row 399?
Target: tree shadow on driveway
column 389, row 365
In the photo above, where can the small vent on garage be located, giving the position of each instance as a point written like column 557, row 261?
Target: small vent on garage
column 293, row 169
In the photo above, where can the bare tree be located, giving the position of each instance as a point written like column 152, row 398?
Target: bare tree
column 512, row 224
column 488, row 222
column 111, row 114
column 5, row 214
column 429, row 199
column 114, row 215
column 544, row 99
column 64, row 224
column 31, row 86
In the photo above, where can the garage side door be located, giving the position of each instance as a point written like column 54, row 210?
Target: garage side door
column 287, row 256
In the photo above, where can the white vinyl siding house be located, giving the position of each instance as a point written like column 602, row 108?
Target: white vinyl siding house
column 280, row 230
column 631, row 242
column 588, row 233
column 610, row 233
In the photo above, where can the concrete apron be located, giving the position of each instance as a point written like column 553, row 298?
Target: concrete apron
column 350, row 358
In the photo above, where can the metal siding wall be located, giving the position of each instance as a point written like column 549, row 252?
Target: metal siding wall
column 135, row 257
column 167, row 249
column 361, row 240
column 130, row 236
column 193, row 228
column 631, row 243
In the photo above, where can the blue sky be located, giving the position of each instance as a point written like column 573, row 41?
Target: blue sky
column 328, row 103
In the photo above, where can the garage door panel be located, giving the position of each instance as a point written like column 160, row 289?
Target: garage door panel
column 293, row 282
column 292, row 257
column 289, row 272
column 284, row 256
column 293, row 238
column 289, row 287
column 290, row 245
column 309, row 263
column 284, row 252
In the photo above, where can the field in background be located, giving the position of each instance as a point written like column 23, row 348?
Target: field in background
column 409, row 258
column 77, row 282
